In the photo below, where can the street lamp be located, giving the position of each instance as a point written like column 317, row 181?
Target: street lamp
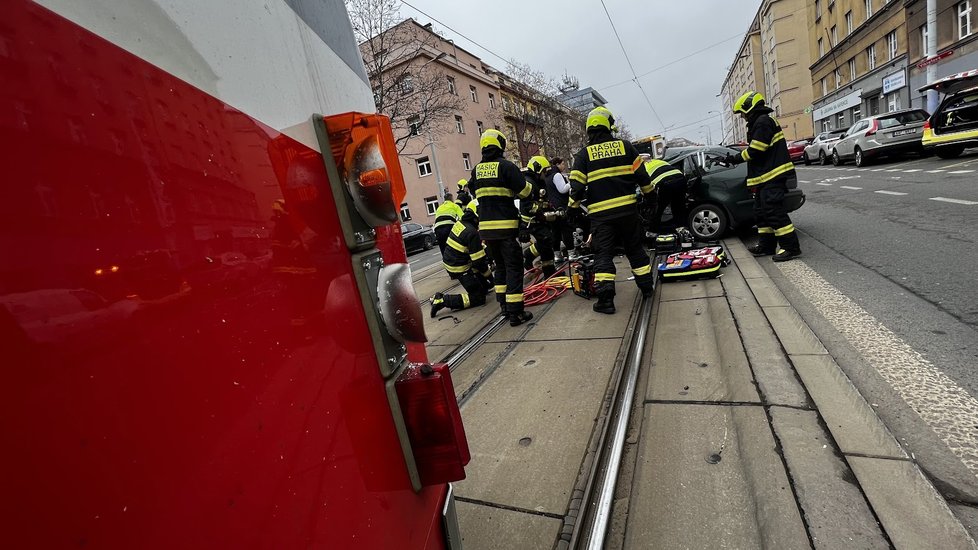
column 431, row 141
column 722, row 134
column 709, row 134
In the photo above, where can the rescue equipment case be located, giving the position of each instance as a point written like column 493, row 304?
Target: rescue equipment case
column 699, row 263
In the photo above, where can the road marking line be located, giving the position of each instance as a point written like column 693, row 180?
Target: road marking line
column 850, row 187
column 946, row 407
column 876, row 170
column 894, row 170
column 910, row 171
column 954, row 201
column 852, row 169
column 803, row 181
column 960, row 171
column 822, row 183
column 934, row 171
column 883, row 192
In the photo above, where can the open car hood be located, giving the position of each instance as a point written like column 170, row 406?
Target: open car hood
column 954, row 83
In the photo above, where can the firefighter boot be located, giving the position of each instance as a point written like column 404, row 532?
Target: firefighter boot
column 437, row 304
column 605, row 303
column 790, row 248
column 766, row 245
column 549, row 270
column 517, row 318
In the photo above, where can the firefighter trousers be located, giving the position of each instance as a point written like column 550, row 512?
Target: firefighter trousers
column 475, row 286
column 441, row 234
column 672, row 195
column 507, row 255
column 774, row 227
column 562, row 232
column 627, row 232
column 541, row 247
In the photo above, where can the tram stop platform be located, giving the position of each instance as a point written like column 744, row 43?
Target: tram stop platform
column 744, row 431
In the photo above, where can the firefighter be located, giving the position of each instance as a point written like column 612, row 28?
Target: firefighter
column 770, row 173
column 465, row 260
column 463, row 197
column 537, row 215
column 446, row 215
column 670, row 190
column 496, row 183
column 606, row 173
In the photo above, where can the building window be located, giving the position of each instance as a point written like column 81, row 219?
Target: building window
column 869, row 8
column 842, row 120
column 849, row 22
column 479, row 126
column 821, row 48
column 466, row 161
column 431, row 205
column 834, row 33
column 964, row 19
column 891, row 45
column 852, row 69
column 406, row 84
column 892, row 102
column 838, row 79
column 492, row 101
column 405, row 212
column 874, row 105
column 473, row 94
column 825, row 87
column 458, row 125
column 424, row 166
column 825, row 125
column 451, row 85
column 871, row 57
column 414, row 124
column 818, row 9
column 923, row 41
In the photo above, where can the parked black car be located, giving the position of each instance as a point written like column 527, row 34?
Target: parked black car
column 417, row 236
column 718, row 195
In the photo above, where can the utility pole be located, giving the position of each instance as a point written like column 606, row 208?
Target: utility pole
column 931, row 52
column 434, row 161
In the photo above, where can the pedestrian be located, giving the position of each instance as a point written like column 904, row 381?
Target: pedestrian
column 446, row 215
column 770, row 173
column 465, row 260
column 670, row 190
column 558, row 193
column 496, row 183
column 536, row 217
column 607, row 173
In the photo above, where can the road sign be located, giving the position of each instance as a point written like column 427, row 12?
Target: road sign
column 935, row 59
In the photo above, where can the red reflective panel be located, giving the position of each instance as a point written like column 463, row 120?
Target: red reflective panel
column 184, row 363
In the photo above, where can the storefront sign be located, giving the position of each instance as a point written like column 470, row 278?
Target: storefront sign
column 841, row 104
column 894, row 81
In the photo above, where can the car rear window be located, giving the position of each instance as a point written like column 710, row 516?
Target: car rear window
column 900, row 119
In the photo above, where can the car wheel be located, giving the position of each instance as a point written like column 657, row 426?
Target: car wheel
column 949, row 152
column 821, row 158
column 708, row 222
column 860, row 160
column 805, row 159
column 429, row 242
column 836, row 159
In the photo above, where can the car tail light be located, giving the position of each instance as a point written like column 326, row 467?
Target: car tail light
column 433, row 423
column 873, row 128
column 927, row 124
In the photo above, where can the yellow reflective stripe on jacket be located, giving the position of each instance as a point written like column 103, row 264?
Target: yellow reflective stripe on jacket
column 609, row 172
column 578, row 176
column 526, row 190
column 489, row 225
column 574, row 203
column 458, row 228
column 786, row 167
column 611, row 203
column 782, row 231
column 745, row 154
column 444, row 223
column 457, row 268
column 759, row 145
column 526, row 219
column 493, row 192
column 777, row 137
column 457, row 245
column 672, row 172
column 646, row 189
column 478, row 255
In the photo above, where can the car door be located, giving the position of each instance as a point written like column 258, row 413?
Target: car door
column 846, row 145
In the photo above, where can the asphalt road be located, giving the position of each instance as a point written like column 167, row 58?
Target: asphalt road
column 900, row 239
column 423, row 258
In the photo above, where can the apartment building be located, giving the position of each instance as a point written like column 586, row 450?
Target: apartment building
column 785, row 57
column 746, row 73
column 957, row 41
column 860, row 60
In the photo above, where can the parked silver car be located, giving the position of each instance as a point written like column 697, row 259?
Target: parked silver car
column 881, row 135
column 820, row 148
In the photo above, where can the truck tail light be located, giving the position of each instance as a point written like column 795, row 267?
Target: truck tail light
column 398, row 304
column 366, row 159
column 873, row 128
column 433, row 423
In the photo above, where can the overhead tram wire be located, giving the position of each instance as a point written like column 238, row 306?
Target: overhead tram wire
column 632, row 68
column 487, row 50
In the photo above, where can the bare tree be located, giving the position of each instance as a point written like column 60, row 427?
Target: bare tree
column 624, row 131
column 402, row 61
column 537, row 119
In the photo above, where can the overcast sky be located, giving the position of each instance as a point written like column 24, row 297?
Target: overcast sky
column 574, row 36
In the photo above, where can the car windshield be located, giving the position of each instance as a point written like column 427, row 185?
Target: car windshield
column 899, row 119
